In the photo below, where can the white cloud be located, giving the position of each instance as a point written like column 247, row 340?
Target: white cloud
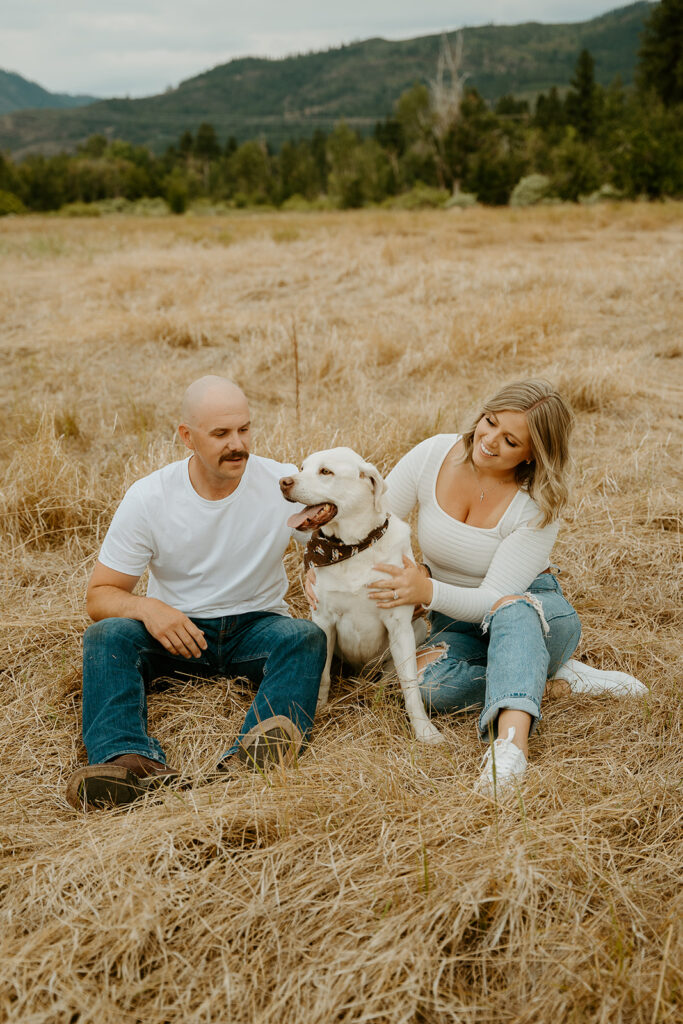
column 140, row 48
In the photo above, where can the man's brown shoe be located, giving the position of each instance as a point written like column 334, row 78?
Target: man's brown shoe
column 274, row 741
column 119, row 781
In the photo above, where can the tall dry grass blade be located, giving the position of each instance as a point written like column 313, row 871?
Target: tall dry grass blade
column 297, row 375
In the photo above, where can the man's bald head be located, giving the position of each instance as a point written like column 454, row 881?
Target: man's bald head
column 209, row 396
column 215, row 427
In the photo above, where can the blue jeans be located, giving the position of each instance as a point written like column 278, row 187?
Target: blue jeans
column 505, row 663
column 284, row 656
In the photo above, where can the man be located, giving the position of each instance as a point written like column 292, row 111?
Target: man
column 212, row 529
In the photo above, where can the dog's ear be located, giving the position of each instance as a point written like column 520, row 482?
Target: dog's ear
column 371, row 473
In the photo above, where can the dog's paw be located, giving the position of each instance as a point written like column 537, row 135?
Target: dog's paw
column 429, row 734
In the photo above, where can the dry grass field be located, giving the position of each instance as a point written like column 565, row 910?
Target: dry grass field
column 370, row 883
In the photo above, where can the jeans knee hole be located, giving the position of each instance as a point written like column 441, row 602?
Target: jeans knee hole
column 526, row 598
column 441, row 650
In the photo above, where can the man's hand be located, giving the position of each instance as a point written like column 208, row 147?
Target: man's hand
column 110, row 595
column 172, row 628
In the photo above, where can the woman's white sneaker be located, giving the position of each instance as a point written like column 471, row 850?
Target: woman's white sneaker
column 586, row 679
column 503, row 762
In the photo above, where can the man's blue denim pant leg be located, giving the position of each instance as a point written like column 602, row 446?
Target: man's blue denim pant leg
column 283, row 656
column 505, row 664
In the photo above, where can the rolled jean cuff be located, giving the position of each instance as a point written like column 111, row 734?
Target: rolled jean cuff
column 154, row 754
column 512, row 703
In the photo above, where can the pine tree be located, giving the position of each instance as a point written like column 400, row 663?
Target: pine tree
column 582, row 99
column 550, row 114
column 661, row 52
column 186, row 143
column 206, row 145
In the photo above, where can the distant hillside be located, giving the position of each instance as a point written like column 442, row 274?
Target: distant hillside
column 281, row 99
column 17, row 93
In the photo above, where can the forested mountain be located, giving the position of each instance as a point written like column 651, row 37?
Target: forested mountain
column 17, row 93
column 283, row 99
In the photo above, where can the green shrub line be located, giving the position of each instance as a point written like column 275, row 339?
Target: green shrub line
column 591, row 145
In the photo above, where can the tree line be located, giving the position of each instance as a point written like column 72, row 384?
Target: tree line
column 591, row 139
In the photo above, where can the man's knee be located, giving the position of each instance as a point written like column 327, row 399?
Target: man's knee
column 300, row 635
column 112, row 632
column 310, row 636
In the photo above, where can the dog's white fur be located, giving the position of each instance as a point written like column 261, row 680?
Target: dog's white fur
column 352, row 622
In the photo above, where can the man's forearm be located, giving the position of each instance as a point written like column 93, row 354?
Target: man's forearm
column 106, row 602
column 172, row 628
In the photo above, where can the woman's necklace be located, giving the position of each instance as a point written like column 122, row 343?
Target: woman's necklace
column 483, row 491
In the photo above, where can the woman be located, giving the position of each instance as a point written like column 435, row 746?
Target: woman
column 489, row 506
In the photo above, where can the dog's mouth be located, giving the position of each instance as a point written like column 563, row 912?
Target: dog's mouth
column 313, row 516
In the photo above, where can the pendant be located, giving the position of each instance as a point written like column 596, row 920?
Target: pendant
column 481, row 496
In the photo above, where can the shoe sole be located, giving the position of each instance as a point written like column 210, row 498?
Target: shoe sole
column 111, row 786
column 279, row 744
column 600, row 680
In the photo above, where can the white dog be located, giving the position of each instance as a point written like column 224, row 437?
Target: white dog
column 344, row 503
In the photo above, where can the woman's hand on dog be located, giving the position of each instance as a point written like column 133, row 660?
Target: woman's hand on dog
column 409, row 585
column 309, row 589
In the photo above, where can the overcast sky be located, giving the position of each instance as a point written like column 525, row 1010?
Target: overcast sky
column 139, row 47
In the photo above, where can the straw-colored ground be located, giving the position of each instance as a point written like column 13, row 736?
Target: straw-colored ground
column 370, row 884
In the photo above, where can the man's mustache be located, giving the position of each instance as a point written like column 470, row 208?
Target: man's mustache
column 237, row 457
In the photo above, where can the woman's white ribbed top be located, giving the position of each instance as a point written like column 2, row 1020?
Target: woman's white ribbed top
column 471, row 567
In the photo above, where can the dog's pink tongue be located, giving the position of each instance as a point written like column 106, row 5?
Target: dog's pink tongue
column 302, row 520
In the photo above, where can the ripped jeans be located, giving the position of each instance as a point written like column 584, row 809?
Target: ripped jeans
column 506, row 663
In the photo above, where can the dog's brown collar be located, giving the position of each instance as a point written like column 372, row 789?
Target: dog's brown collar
column 322, row 550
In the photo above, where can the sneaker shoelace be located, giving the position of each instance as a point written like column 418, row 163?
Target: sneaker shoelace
column 506, row 756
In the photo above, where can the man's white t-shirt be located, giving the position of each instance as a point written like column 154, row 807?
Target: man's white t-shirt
column 206, row 558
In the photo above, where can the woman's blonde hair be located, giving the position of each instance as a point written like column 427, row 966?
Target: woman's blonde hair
column 550, row 421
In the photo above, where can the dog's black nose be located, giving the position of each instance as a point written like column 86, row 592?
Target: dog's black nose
column 286, row 484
